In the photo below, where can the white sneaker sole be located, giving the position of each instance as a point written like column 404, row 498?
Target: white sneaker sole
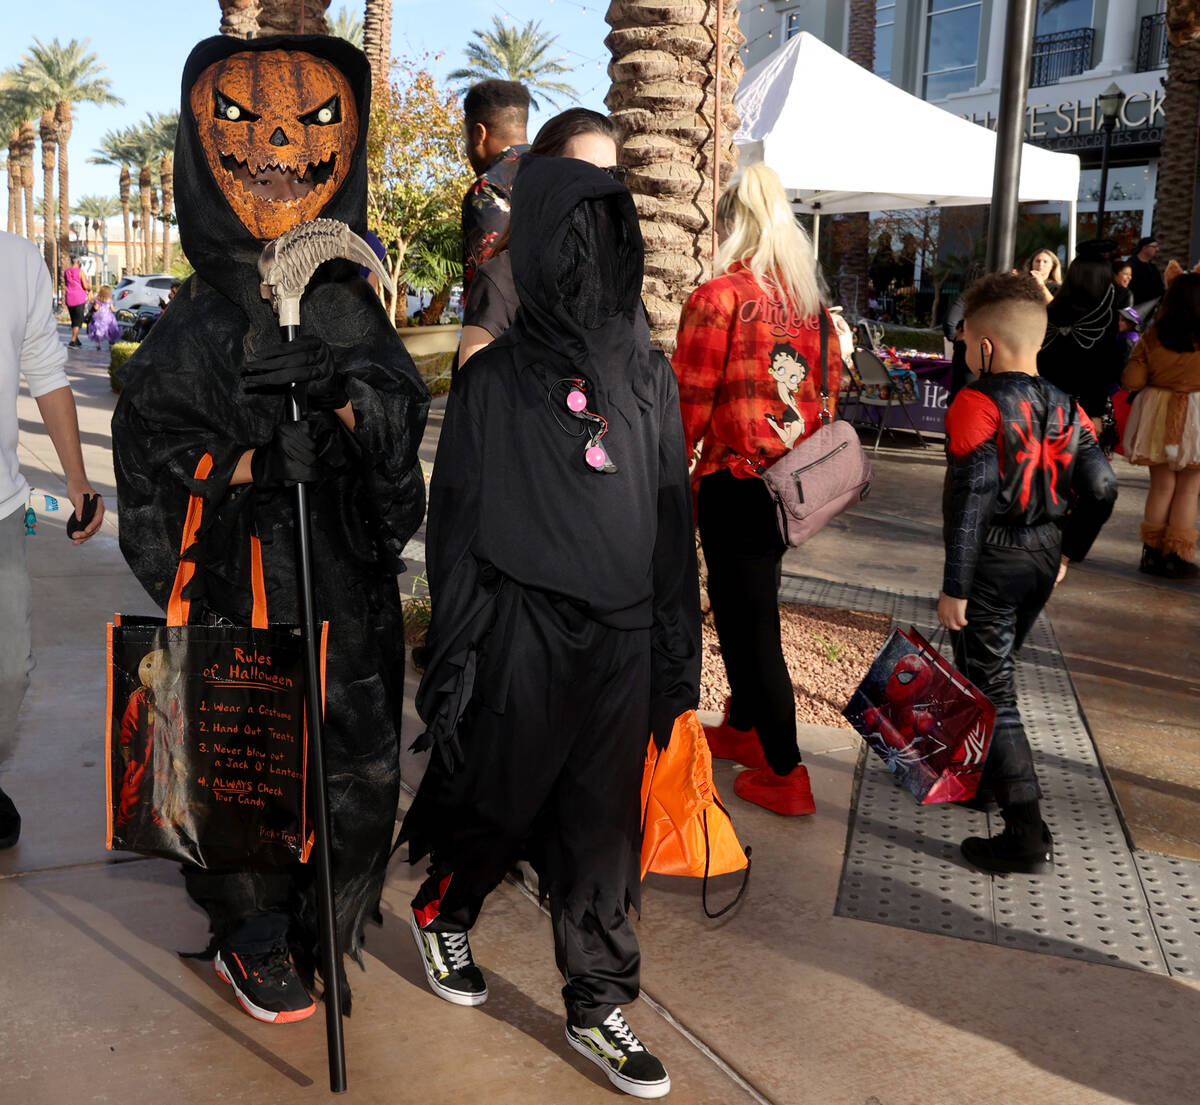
column 644, row 1090
column 256, row 1011
column 454, row 997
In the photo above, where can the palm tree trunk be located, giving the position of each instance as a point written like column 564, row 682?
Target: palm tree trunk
column 239, row 18
column 155, row 210
column 130, row 266
column 663, row 96
column 296, row 17
column 166, row 173
column 62, row 116
column 28, row 145
column 1175, row 191
column 854, row 265
column 377, row 39
column 144, row 187
column 49, row 136
column 15, row 178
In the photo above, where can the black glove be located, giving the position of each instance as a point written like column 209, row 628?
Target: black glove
column 304, row 361
column 289, row 458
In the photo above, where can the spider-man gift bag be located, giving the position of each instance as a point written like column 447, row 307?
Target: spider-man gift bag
column 925, row 720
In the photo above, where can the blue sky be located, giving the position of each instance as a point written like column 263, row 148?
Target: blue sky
column 144, row 47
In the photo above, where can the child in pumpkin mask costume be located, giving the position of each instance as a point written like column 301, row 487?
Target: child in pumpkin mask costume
column 272, row 134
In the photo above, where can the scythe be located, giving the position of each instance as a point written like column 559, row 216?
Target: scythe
column 286, row 266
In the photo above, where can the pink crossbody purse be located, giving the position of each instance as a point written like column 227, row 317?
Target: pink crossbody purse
column 822, row 476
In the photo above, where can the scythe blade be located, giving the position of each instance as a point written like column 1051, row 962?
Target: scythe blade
column 287, row 264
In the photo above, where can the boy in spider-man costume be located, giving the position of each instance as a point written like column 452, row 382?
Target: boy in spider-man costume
column 1027, row 491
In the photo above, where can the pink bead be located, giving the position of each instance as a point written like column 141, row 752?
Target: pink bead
column 596, row 457
column 576, row 400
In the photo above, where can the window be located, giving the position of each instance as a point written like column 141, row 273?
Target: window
column 951, row 46
column 1062, row 15
column 885, row 31
column 791, row 25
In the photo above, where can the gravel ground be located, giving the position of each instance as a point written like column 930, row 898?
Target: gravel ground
column 827, row 653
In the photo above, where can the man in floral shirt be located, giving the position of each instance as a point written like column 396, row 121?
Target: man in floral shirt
column 496, row 115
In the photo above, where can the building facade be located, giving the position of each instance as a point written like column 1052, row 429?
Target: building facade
column 950, row 52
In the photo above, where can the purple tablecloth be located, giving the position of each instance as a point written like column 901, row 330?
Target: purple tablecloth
column 933, row 396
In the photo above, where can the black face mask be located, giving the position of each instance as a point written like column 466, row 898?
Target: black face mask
column 594, row 267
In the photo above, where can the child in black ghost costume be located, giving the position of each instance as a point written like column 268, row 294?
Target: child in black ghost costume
column 1027, row 491
column 210, row 378
column 565, row 620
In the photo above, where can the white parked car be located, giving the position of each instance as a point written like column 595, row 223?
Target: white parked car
column 131, row 293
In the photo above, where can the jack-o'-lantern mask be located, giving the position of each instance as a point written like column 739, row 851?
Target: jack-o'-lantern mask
column 278, row 129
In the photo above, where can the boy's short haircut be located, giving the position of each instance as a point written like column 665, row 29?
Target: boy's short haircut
column 1010, row 304
column 499, row 105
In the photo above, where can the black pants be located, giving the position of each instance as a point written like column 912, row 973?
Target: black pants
column 1010, row 588
column 556, row 775
column 744, row 552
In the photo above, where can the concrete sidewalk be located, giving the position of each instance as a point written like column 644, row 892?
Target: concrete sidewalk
column 781, row 1001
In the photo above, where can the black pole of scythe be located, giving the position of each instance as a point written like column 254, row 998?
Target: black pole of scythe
column 331, row 953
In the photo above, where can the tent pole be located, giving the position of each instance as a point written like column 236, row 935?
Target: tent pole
column 1072, row 220
column 1010, row 133
column 816, row 234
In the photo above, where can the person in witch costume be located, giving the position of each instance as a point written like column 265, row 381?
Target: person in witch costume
column 271, row 134
column 565, row 611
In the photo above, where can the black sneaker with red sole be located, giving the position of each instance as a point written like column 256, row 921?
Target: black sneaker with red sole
column 266, row 985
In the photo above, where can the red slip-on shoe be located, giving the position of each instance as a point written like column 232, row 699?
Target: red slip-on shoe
column 727, row 743
column 790, row 794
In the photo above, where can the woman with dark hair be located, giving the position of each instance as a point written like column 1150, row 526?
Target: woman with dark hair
column 1082, row 353
column 1122, row 277
column 492, row 300
column 1163, row 432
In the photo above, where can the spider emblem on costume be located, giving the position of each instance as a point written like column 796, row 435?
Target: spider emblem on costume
column 1042, row 455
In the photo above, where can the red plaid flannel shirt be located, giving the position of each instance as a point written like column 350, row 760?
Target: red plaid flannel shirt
column 749, row 382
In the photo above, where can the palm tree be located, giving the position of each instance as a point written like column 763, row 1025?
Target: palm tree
column 26, row 144
column 119, row 148
column 348, row 26
column 48, row 130
column 96, row 211
column 377, row 39
column 516, row 55
column 165, row 126
column 663, row 96
column 1175, row 191
column 145, row 152
column 67, row 75
column 254, row 18
column 15, row 109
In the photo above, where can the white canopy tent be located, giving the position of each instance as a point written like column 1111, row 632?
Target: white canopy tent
column 842, row 139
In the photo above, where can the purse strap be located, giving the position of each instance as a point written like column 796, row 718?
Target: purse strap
column 823, row 324
column 179, row 608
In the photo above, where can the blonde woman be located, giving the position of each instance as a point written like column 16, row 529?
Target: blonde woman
column 1045, row 267
column 743, row 335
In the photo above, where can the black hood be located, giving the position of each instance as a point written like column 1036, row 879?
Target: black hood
column 221, row 249
column 576, row 252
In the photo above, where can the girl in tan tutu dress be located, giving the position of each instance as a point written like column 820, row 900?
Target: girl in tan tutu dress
column 1163, row 431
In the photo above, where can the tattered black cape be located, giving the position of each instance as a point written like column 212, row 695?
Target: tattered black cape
column 513, row 500
column 183, row 397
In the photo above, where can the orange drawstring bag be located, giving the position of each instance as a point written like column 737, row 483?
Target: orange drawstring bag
column 678, row 835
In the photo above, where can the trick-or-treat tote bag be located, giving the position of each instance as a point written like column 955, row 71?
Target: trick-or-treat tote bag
column 924, row 718
column 206, row 741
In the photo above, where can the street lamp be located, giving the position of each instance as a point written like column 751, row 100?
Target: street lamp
column 1111, row 100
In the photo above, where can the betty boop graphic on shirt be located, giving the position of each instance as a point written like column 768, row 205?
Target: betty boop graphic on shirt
column 790, row 370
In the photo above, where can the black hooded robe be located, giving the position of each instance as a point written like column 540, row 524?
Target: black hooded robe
column 565, row 622
column 183, row 397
